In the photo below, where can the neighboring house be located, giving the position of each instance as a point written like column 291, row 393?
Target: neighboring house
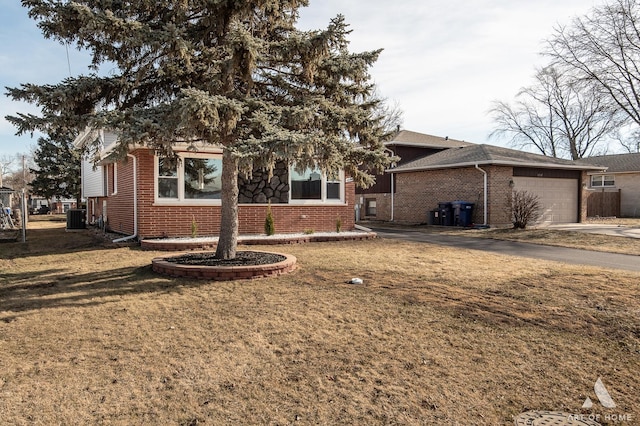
column 459, row 174
column 36, row 203
column 622, row 176
column 147, row 196
column 6, row 195
column 62, row 205
column 375, row 203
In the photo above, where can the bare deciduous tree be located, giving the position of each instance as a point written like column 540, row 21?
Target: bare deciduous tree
column 558, row 115
column 6, row 161
column 603, row 49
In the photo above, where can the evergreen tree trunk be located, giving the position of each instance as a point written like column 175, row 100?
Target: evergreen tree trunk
column 228, row 240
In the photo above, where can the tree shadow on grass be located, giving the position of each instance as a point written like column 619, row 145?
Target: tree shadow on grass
column 22, row 292
column 48, row 241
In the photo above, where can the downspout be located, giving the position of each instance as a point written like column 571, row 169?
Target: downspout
column 135, row 203
column 392, row 195
column 485, row 194
column 392, row 183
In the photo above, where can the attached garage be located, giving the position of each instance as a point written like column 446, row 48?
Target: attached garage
column 558, row 197
column 486, row 176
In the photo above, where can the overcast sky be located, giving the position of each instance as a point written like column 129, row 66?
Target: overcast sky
column 443, row 62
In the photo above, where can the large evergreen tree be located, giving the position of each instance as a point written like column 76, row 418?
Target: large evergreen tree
column 57, row 171
column 236, row 74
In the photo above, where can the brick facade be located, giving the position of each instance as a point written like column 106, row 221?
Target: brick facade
column 176, row 220
column 420, row 192
column 383, row 206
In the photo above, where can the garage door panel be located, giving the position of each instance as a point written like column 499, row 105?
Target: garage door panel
column 558, row 197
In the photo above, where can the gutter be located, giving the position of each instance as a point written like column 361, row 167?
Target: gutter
column 403, row 169
column 485, row 194
column 135, row 203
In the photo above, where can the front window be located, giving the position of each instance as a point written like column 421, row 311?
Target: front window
column 193, row 178
column 202, row 178
column 312, row 185
column 306, row 185
column 334, row 187
column 601, row 181
column 167, row 178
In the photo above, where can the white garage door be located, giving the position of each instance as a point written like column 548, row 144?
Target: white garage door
column 559, row 197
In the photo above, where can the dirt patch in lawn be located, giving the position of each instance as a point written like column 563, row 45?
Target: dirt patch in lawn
column 433, row 336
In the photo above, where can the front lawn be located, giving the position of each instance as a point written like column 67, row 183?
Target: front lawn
column 90, row 335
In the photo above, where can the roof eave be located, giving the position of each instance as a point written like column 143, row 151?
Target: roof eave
column 495, row 163
column 423, row 145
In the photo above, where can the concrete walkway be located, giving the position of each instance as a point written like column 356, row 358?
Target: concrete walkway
column 592, row 228
column 512, row 248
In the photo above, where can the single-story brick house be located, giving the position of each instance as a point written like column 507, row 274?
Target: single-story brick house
column 148, row 197
column 375, row 203
column 487, row 175
column 622, row 175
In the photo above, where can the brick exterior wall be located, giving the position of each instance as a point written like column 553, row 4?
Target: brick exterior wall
column 383, row 206
column 584, row 195
column 420, row 192
column 175, row 221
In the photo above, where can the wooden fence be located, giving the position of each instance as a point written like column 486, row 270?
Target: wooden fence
column 604, row 204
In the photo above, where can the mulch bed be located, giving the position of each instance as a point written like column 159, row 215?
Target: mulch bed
column 243, row 258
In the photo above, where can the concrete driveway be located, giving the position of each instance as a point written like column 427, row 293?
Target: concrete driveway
column 512, row 248
column 616, row 230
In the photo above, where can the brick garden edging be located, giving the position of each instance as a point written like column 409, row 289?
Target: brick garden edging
column 224, row 273
column 175, row 245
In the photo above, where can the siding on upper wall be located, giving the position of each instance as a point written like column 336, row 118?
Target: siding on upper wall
column 109, row 140
column 92, row 180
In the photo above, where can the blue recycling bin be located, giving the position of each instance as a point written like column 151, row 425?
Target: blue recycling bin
column 462, row 213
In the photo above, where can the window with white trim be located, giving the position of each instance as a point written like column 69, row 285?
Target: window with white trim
column 314, row 186
column 601, row 181
column 192, row 178
column 370, row 207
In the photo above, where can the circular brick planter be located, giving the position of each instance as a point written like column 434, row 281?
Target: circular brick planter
column 178, row 244
column 224, row 273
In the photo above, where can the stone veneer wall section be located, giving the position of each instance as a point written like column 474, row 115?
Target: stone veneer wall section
column 259, row 189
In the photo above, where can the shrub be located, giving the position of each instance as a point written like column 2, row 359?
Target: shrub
column 269, row 225
column 194, row 227
column 338, row 224
column 525, row 208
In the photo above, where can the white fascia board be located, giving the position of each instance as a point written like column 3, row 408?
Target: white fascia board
column 493, row 163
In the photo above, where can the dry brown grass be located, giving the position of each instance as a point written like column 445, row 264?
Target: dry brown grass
column 554, row 237
column 89, row 335
column 546, row 236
